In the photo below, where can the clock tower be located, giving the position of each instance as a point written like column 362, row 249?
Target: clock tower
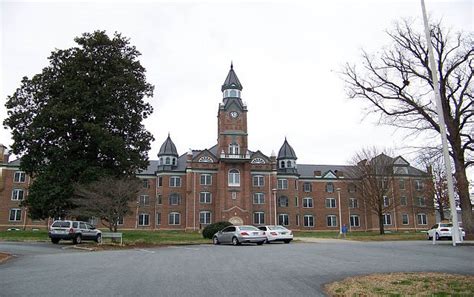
column 232, row 120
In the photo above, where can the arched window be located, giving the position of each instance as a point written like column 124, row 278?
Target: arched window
column 282, row 164
column 174, row 161
column 288, row 164
column 233, row 149
column 234, row 177
column 329, row 188
column 167, row 161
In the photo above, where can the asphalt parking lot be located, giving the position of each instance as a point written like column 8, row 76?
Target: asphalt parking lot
column 296, row 269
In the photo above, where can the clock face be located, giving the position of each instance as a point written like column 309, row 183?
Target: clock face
column 234, row 114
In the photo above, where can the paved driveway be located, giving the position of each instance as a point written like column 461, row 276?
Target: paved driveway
column 296, row 269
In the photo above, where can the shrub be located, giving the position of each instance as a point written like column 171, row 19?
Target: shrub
column 212, row 229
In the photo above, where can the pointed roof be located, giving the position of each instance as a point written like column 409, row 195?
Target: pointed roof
column 168, row 148
column 231, row 82
column 286, row 151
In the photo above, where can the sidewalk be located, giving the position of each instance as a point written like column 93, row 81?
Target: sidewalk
column 323, row 240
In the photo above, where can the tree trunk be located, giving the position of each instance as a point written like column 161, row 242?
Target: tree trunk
column 381, row 225
column 464, row 199
column 441, row 210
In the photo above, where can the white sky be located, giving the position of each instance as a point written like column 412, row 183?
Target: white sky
column 285, row 53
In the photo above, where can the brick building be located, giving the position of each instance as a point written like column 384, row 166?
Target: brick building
column 233, row 183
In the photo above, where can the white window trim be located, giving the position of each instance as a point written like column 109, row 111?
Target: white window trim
column 333, row 220
column 175, row 214
column 143, row 214
column 15, row 194
column 330, row 206
column 304, row 221
column 308, row 199
column 205, row 196
column 17, row 210
column 205, row 212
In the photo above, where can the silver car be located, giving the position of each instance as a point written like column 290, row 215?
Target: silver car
column 73, row 230
column 239, row 234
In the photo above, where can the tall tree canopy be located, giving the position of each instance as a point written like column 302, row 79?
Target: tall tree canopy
column 79, row 119
column 397, row 84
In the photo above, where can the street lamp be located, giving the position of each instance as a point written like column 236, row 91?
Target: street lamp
column 275, row 199
column 339, row 206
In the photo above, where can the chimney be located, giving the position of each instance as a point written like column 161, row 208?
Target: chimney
column 4, row 154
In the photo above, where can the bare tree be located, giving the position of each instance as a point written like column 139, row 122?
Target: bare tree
column 433, row 160
column 397, row 85
column 107, row 199
column 374, row 169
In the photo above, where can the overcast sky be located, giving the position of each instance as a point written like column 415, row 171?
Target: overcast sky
column 287, row 55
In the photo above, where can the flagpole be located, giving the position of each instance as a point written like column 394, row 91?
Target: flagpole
column 442, row 128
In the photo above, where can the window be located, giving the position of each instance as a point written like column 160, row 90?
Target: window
column 329, row 188
column 421, row 219
column 353, row 203
column 258, row 198
column 160, row 181
column 405, row 219
column 330, row 202
column 401, row 184
column 403, row 201
column 205, row 217
column 282, row 184
column 120, row 220
column 351, row 188
column 205, row 159
column 283, row 219
column 418, row 185
column 173, row 218
column 158, row 218
column 20, row 177
column 168, row 161
column 421, row 201
column 206, row 179
column 175, row 199
column 258, row 181
column 144, row 200
column 296, row 201
column 331, row 220
column 308, row 221
column 308, row 202
column 259, row 218
column 159, row 199
column 18, row 194
column 143, row 219
column 307, row 187
column 282, row 164
column 386, row 201
column 387, row 219
column 283, row 201
column 355, row 221
column 205, row 197
column 234, row 177
column 233, row 149
column 175, row 181
column 15, row 215
column 288, row 164
column 145, row 184
column 384, row 183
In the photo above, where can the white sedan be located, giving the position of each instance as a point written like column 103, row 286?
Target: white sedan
column 442, row 230
column 277, row 233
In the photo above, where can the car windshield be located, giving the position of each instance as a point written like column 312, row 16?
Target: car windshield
column 61, row 224
column 445, row 225
column 248, row 228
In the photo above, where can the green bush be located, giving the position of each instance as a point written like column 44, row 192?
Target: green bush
column 212, row 229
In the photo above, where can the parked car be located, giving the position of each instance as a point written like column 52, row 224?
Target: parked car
column 76, row 231
column 442, row 230
column 239, row 234
column 277, row 233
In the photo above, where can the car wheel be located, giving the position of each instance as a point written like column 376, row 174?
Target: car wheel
column 287, row 241
column 98, row 239
column 266, row 241
column 55, row 240
column 428, row 236
column 235, row 241
column 215, row 240
column 437, row 236
column 260, row 242
column 77, row 239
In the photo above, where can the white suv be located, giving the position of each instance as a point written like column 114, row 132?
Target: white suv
column 442, row 230
column 73, row 230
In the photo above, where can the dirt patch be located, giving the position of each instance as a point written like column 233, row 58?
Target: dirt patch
column 402, row 284
column 4, row 257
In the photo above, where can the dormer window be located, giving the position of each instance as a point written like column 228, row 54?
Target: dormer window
column 282, row 164
column 168, row 161
column 233, row 149
column 288, row 164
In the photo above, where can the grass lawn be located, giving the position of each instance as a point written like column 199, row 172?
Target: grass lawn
column 364, row 236
column 404, row 284
column 130, row 237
